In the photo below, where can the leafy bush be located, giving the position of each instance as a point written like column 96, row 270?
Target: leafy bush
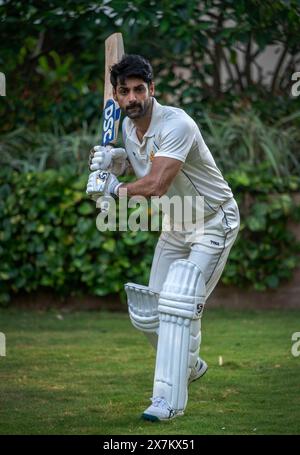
column 266, row 252
column 245, row 138
column 25, row 150
column 233, row 139
column 48, row 236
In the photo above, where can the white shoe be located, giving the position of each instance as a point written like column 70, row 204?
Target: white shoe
column 160, row 410
column 198, row 371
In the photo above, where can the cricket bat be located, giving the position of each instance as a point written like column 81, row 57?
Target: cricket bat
column 114, row 51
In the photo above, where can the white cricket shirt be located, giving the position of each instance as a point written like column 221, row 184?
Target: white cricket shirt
column 174, row 134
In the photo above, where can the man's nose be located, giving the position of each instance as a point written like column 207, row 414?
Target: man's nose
column 131, row 97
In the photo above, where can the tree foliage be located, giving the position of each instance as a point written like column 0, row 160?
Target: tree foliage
column 207, row 51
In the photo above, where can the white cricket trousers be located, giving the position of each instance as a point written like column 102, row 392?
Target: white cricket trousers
column 209, row 252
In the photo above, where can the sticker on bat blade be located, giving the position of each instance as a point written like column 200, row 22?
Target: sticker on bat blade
column 111, row 115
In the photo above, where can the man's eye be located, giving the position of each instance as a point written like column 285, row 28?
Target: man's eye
column 123, row 92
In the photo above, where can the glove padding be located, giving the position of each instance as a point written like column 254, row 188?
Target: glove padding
column 102, row 183
column 108, row 158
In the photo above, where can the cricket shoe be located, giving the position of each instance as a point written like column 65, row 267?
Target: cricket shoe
column 198, row 370
column 160, row 410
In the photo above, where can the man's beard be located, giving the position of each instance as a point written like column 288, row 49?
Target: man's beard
column 137, row 110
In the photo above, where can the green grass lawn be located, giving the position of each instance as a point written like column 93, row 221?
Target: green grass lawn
column 92, row 372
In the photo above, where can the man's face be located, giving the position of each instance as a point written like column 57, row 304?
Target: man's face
column 134, row 97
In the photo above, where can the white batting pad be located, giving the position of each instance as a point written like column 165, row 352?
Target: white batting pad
column 180, row 308
column 143, row 312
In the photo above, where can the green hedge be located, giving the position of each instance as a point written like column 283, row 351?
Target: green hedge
column 266, row 252
column 48, row 236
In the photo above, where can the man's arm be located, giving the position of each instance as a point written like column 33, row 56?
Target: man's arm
column 157, row 182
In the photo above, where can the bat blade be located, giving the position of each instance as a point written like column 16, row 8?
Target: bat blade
column 114, row 51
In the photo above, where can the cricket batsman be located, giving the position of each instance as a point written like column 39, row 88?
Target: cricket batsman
column 169, row 157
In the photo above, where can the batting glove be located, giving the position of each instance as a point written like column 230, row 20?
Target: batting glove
column 108, row 158
column 102, row 183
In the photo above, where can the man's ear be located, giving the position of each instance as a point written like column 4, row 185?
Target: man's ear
column 114, row 94
column 151, row 88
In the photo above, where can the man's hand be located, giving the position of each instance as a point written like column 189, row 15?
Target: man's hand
column 102, row 183
column 108, row 158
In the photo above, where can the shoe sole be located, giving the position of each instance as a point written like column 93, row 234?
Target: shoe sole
column 152, row 418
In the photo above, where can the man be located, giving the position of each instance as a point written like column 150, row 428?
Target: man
column 169, row 157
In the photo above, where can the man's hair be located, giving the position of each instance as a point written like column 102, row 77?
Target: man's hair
column 131, row 66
